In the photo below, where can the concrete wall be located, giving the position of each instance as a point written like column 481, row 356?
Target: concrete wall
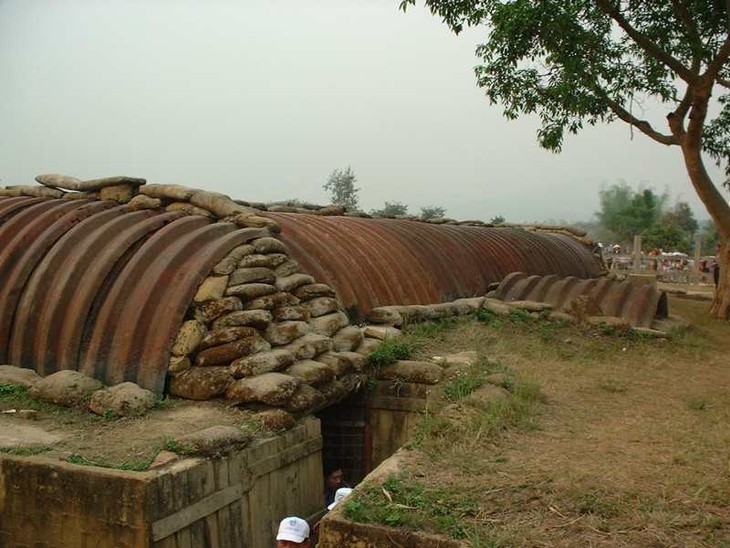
column 233, row 501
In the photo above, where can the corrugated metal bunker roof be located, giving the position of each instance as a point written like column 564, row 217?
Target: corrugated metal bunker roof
column 377, row 262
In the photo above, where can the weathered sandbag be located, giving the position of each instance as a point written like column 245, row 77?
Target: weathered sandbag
column 67, row 387
column 254, row 274
column 190, row 209
column 259, row 319
column 225, row 335
column 288, row 313
column 248, row 292
column 213, row 287
column 531, row 306
column 343, row 362
column 496, row 306
column 188, row 338
column 293, row 281
column 269, row 245
column 10, row 374
column 381, row 332
column 218, row 204
column 339, row 389
column 226, row 353
column 319, row 306
column 56, row 180
column 126, row 399
column 210, row 310
column 329, row 324
column 213, row 441
column 270, row 388
column 226, row 266
column 305, row 400
column 486, row 395
column 178, row 364
column 389, row 315
column 141, row 201
column 275, row 420
column 271, row 260
column 269, row 302
column 283, row 333
column 311, row 372
column 262, row 362
column 309, row 346
column 368, row 345
column 201, row 383
column 348, row 338
column 287, row 268
column 36, row 191
column 178, row 193
column 239, row 252
column 411, row 371
column 310, row 291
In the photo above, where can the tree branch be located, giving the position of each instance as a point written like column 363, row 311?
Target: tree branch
column 680, row 10
column 642, row 125
column 723, row 82
column 715, row 66
column 645, row 43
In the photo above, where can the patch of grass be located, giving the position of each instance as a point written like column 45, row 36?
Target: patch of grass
column 408, row 504
column 25, row 451
column 15, row 396
column 181, row 449
column 462, row 386
column 389, row 351
column 520, row 315
column 431, row 328
column 699, row 404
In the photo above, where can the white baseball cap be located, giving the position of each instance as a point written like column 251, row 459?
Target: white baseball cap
column 340, row 494
column 293, row 529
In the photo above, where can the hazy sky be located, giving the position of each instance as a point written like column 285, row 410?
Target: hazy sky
column 262, row 99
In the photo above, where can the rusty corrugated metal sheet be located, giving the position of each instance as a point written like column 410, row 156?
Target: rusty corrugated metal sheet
column 376, row 262
column 637, row 303
column 99, row 287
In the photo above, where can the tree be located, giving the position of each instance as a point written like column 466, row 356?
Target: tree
column 433, row 212
column 391, row 208
column 626, row 212
column 583, row 62
column 342, row 189
column 496, row 220
column 665, row 237
column 683, row 218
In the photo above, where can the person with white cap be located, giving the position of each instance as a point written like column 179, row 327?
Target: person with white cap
column 293, row 532
column 340, row 494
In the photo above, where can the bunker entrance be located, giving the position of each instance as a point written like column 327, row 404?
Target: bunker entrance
column 346, row 440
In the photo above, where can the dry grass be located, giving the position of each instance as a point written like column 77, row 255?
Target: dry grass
column 633, row 447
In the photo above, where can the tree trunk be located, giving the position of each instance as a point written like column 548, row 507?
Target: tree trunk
column 720, row 307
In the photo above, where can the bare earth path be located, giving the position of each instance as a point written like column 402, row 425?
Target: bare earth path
column 633, row 444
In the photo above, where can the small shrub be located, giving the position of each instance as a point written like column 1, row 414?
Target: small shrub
column 389, row 351
column 519, row 315
column 462, row 386
column 699, row 404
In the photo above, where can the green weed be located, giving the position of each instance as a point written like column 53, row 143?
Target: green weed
column 134, row 465
column 26, row 451
column 401, row 502
column 389, row 351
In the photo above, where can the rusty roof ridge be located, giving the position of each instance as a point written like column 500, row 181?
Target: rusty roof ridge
column 244, row 213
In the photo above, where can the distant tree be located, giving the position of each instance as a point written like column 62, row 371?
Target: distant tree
column 579, row 63
column 433, row 212
column 681, row 216
column 342, row 189
column 391, row 208
column 626, row 212
column 666, row 237
column 710, row 237
column 497, row 220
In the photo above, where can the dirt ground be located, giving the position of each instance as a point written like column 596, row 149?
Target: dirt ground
column 633, row 443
